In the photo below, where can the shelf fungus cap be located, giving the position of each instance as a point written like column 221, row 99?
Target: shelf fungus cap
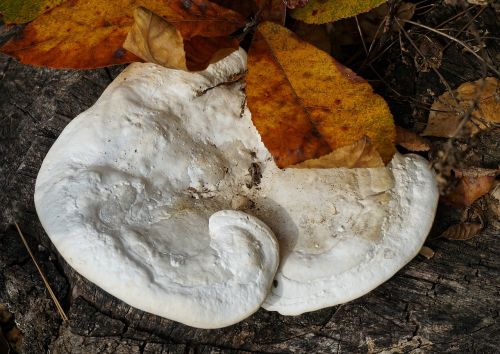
column 136, row 196
column 352, row 229
column 164, row 195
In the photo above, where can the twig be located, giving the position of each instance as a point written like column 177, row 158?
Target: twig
column 466, row 47
column 361, row 35
column 466, row 26
column 44, row 278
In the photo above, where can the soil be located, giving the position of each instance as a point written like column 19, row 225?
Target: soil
column 448, row 303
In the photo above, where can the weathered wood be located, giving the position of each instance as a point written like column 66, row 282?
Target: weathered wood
column 449, row 303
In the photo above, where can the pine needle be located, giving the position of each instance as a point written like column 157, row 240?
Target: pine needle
column 44, row 278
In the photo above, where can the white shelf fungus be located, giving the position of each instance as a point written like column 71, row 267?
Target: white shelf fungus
column 138, row 195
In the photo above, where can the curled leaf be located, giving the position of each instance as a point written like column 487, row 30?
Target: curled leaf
column 305, row 104
column 90, row 33
column 360, row 154
column 321, row 11
column 155, row 40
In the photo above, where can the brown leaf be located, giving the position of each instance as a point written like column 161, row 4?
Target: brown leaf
column 463, row 231
column 370, row 22
column 155, row 40
column 360, row 154
column 90, row 33
column 446, row 115
column 469, row 189
column 305, row 104
column 411, row 141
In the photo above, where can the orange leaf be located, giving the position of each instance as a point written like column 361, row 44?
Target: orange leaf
column 305, row 104
column 155, row 40
column 470, row 189
column 90, row 33
column 411, row 141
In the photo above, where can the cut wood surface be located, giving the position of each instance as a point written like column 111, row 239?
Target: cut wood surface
column 449, row 303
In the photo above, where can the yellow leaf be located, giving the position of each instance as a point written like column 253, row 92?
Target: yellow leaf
column 305, row 104
column 90, row 33
column 321, row 11
column 446, row 116
column 22, row 11
column 360, row 154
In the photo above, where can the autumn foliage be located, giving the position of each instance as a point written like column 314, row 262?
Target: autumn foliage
column 309, row 109
column 305, row 104
column 90, row 34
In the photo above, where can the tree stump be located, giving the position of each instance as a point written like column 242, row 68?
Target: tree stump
column 449, row 303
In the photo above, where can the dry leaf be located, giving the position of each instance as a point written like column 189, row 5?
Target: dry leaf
column 321, row 11
column 463, row 231
column 305, row 104
column 427, row 252
column 90, row 33
column 22, row 11
column 155, row 40
column 445, row 116
column 360, row 154
column 470, row 188
column 370, row 22
column 411, row 141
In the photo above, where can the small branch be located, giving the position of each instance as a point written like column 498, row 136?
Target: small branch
column 44, row 278
column 465, row 46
